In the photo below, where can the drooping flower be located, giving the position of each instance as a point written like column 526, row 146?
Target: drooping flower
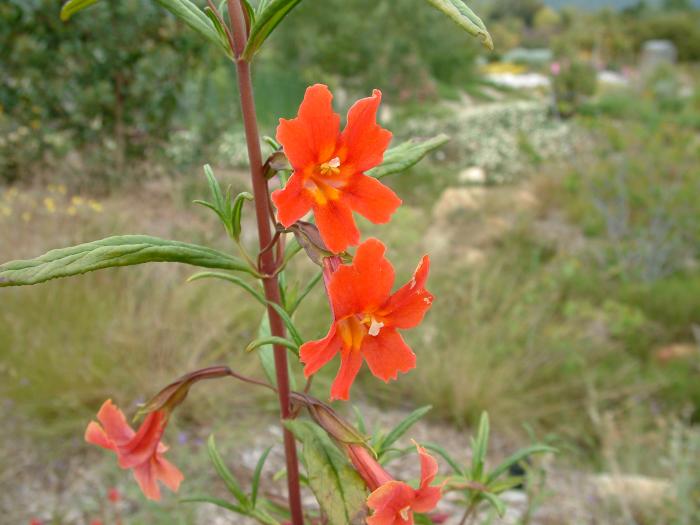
column 392, row 501
column 329, row 167
column 367, row 318
column 142, row 451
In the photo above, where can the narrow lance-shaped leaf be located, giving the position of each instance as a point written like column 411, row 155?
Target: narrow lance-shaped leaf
column 465, row 18
column 272, row 340
column 266, row 354
column 406, row 154
column 338, row 488
column 185, row 10
column 194, row 17
column 225, row 474
column 255, row 484
column 265, row 22
column 403, row 427
column 73, row 6
column 257, row 294
column 124, row 250
column 515, row 458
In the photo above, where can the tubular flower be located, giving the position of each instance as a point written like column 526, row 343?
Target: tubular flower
column 367, row 318
column 142, row 451
column 329, row 167
column 394, row 502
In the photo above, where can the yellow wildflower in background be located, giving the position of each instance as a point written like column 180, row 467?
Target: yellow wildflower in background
column 49, row 204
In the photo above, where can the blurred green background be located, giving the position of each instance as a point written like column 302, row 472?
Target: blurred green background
column 562, row 220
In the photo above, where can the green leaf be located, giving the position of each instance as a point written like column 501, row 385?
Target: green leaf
column 309, row 286
column 266, row 354
column 265, row 22
column 338, row 488
column 400, row 429
column 497, row 502
column 185, row 10
column 73, row 6
column 288, row 323
column 272, row 340
column 480, row 447
column 225, row 474
column 406, row 154
column 196, row 19
column 465, row 18
column 124, row 250
column 236, row 212
column 256, row 475
column 215, row 501
column 505, row 484
column 515, row 458
column 233, row 279
column 249, row 11
column 220, row 28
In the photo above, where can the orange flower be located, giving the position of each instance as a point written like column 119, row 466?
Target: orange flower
column 394, row 502
column 367, row 319
column 141, row 451
column 329, row 167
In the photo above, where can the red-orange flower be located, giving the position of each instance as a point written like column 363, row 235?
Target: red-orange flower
column 141, row 451
column 367, row 318
column 329, row 167
column 394, row 502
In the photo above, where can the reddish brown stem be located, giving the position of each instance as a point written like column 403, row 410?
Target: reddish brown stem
column 267, row 258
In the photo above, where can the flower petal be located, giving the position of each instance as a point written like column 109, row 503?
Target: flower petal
column 145, row 476
column 350, row 363
column 167, row 473
column 388, row 501
column 336, row 225
column 311, row 138
column 426, row 499
column 408, row 305
column 370, row 198
column 145, row 443
column 293, row 201
column 363, row 285
column 363, row 141
column 387, row 354
column 95, row 435
column 428, row 467
column 315, row 354
column 114, row 423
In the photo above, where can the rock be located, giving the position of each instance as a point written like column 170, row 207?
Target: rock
column 473, row 175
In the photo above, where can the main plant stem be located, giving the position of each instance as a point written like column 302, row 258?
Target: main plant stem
column 267, row 257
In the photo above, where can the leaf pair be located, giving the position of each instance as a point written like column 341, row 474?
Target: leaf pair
column 227, row 209
column 185, row 10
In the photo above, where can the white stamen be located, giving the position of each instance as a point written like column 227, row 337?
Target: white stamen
column 427, row 300
column 375, row 328
column 334, row 162
column 404, row 513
